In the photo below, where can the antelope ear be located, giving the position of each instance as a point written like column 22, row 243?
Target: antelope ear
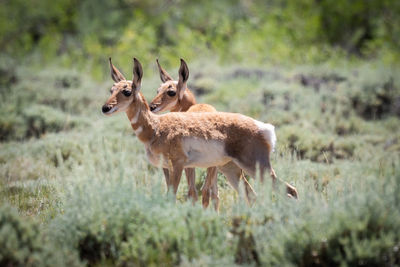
column 137, row 75
column 164, row 76
column 183, row 77
column 116, row 75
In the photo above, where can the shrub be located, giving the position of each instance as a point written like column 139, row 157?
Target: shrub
column 45, row 102
column 342, row 227
column 11, row 127
column 376, row 98
column 112, row 221
column 41, row 119
column 36, row 121
column 319, row 148
column 22, row 243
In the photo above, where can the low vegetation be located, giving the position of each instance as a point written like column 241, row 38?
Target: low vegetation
column 76, row 188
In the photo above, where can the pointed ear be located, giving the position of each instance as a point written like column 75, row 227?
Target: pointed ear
column 115, row 74
column 137, row 75
column 183, row 77
column 164, row 76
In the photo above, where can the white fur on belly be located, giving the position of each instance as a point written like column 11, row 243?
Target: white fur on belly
column 268, row 131
column 204, row 153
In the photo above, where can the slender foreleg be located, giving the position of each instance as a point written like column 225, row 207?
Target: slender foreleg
column 190, row 177
column 210, row 187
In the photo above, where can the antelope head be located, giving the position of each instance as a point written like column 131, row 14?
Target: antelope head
column 123, row 92
column 170, row 92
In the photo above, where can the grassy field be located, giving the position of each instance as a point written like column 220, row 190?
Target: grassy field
column 76, row 187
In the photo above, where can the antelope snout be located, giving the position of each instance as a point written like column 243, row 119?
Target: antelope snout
column 152, row 107
column 106, row 108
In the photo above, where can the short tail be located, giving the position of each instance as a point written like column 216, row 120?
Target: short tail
column 270, row 135
column 268, row 131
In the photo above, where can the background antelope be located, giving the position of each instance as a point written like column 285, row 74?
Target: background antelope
column 179, row 140
column 167, row 99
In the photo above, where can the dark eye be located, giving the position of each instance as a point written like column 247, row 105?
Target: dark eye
column 127, row 93
column 170, row 87
column 171, row 93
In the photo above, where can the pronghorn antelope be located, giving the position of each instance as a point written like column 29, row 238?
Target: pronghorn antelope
column 179, row 140
column 168, row 100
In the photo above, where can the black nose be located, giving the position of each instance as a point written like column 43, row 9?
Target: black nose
column 105, row 109
column 152, row 107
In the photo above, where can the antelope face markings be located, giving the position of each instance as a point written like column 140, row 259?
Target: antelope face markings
column 121, row 97
column 166, row 97
column 123, row 92
column 204, row 153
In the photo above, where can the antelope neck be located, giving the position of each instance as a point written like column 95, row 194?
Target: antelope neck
column 185, row 103
column 143, row 122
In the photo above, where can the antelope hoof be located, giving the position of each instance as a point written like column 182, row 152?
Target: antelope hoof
column 292, row 192
column 192, row 195
column 205, row 198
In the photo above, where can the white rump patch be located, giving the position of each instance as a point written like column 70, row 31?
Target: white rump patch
column 268, row 131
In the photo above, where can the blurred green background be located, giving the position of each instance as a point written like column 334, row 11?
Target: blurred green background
column 76, row 188
column 84, row 33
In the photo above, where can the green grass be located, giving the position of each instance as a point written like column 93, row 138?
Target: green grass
column 84, row 181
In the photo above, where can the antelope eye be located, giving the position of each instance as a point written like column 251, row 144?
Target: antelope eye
column 127, row 93
column 171, row 93
column 170, row 87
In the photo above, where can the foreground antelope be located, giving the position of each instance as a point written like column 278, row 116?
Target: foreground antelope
column 167, row 99
column 179, row 140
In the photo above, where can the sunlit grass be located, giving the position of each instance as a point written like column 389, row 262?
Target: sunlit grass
column 90, row 187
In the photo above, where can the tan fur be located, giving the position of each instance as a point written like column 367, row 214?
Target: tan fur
column 163, row 135
column 201, row 108
column 164, row 102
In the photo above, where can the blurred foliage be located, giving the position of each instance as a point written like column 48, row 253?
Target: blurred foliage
column 87, row 32
column 140, row 231
column 19, row 240
column 23, row 243
column 113, row 213
column 373, row 98
column 353, row 230
column 39, row 103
